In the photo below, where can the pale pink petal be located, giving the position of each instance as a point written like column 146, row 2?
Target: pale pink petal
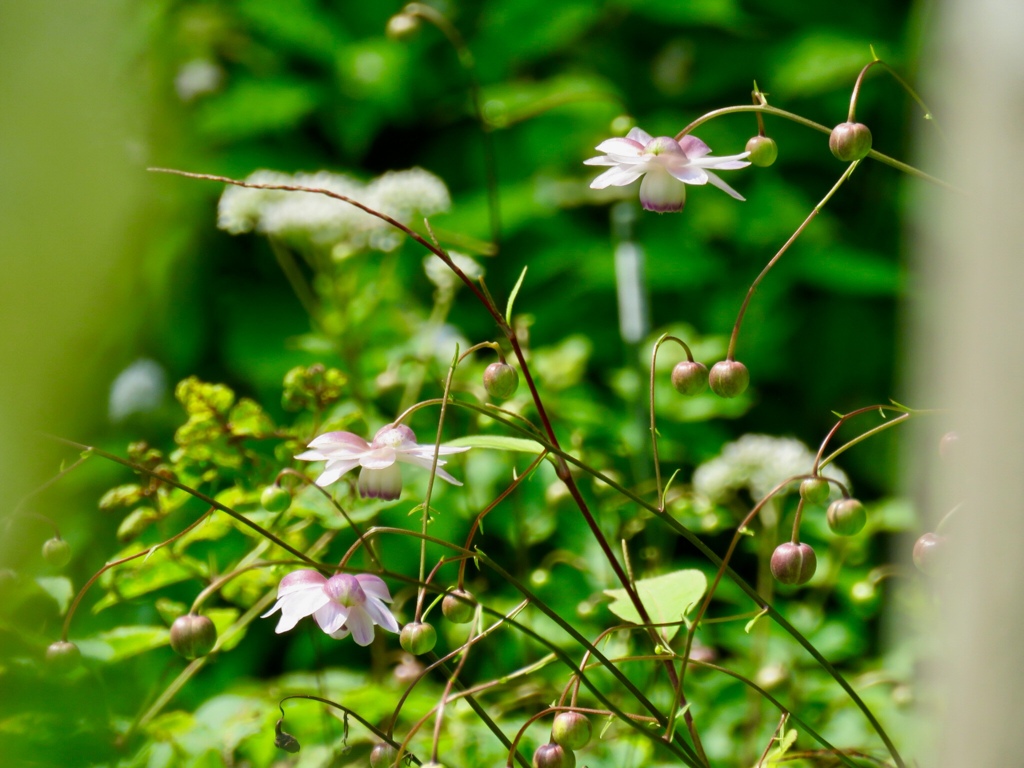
column 639, row 135
column 332, row 616
column 425, row 462
column 723, row 163
column 693, row 147
column 625, row 148
column 297, row 580
column 361, row 625
column 602, row 160
column 714, row 180
column 378, row 458
column 447, row 450
column 381, row 615
column 374, row 586
column 341, row 634
column 619, row 176
column 297, row 606
column 687, row 173
column 339, row 439
column 334, row 470
column 312, row 456
column 660, row 192
column 383, row 484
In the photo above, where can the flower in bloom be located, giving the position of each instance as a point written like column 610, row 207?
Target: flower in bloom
column 380, row 476
column 342, row 604
column 663, row 162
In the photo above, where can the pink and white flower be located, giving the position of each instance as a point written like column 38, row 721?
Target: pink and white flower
column 664, row 163
column 341, row 604
column 380, row 476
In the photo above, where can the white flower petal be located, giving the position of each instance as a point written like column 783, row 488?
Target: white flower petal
column 299, row 580
column 660, row 192
column 619, row 176
column 688, row 174
column 329, row 440
column 334, row 470
column 425, row 462
column 724, row 163
column 639, row 135
column 361, row 625
column 374, row 586
column 714, row 180
column 602, row 160
column 381, row 615
column 378, row 458
column 623, row 147
column 332, row 616
column 341, row 634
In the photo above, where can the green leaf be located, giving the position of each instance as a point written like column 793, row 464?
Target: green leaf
column 666, row 598
column 512, row 296
column 247, row 418
column 498, row 443
column 750, row 624
column 122, row 642
column 121, row 496
column 59, row 588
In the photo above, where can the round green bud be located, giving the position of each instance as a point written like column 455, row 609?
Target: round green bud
column 63, row 656
column 501, row 380
column 383, row 755
column 553, row 756
column 571, row 730
column 850, row 141
column 793, row 563
column 402, row 26
column 846, row 517
column 729, row 378
column 928, row 551
column 815, row 490
column 690, row 378
column 56, row 552
column 193, row 635
column 456, row 610
column 275, row 498
column 418, row 638
column 763, row 151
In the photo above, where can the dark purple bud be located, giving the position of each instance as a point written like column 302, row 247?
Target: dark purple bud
column 793, row 563
column 729, row 378
column 850, row 141
column 553, row 756
column 284, row 740
column 690, row 378
column 193, row 636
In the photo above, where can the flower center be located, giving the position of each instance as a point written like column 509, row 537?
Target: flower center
column 663, row 145
column 344, row 589
column 393, row 437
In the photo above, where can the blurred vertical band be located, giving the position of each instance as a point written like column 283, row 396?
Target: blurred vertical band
column 68, row 104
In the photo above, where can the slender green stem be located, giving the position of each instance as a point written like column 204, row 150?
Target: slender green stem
column 768, row 110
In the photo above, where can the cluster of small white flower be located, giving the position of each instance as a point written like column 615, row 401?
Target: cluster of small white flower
column 321, row 221
column 756, row 463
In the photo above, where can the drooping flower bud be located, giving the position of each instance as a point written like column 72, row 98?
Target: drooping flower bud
column 501, row 380
column 284, row 740
column 815, row 490
column 793, row 563
column 690, row 378
column 383, row 755
column 850, row 141
column 763, row 151
column 275, row 498
column 63, row 656
column 418, row 637
column 846, row 517
column 402, row 26
column 571, row 730
column 729, row 378
column 57, row 552
column 553, row 756
column 456, row 610
column 193, row 635
column 928, row 551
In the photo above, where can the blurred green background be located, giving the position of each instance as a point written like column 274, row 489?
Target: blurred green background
column 106, row 264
